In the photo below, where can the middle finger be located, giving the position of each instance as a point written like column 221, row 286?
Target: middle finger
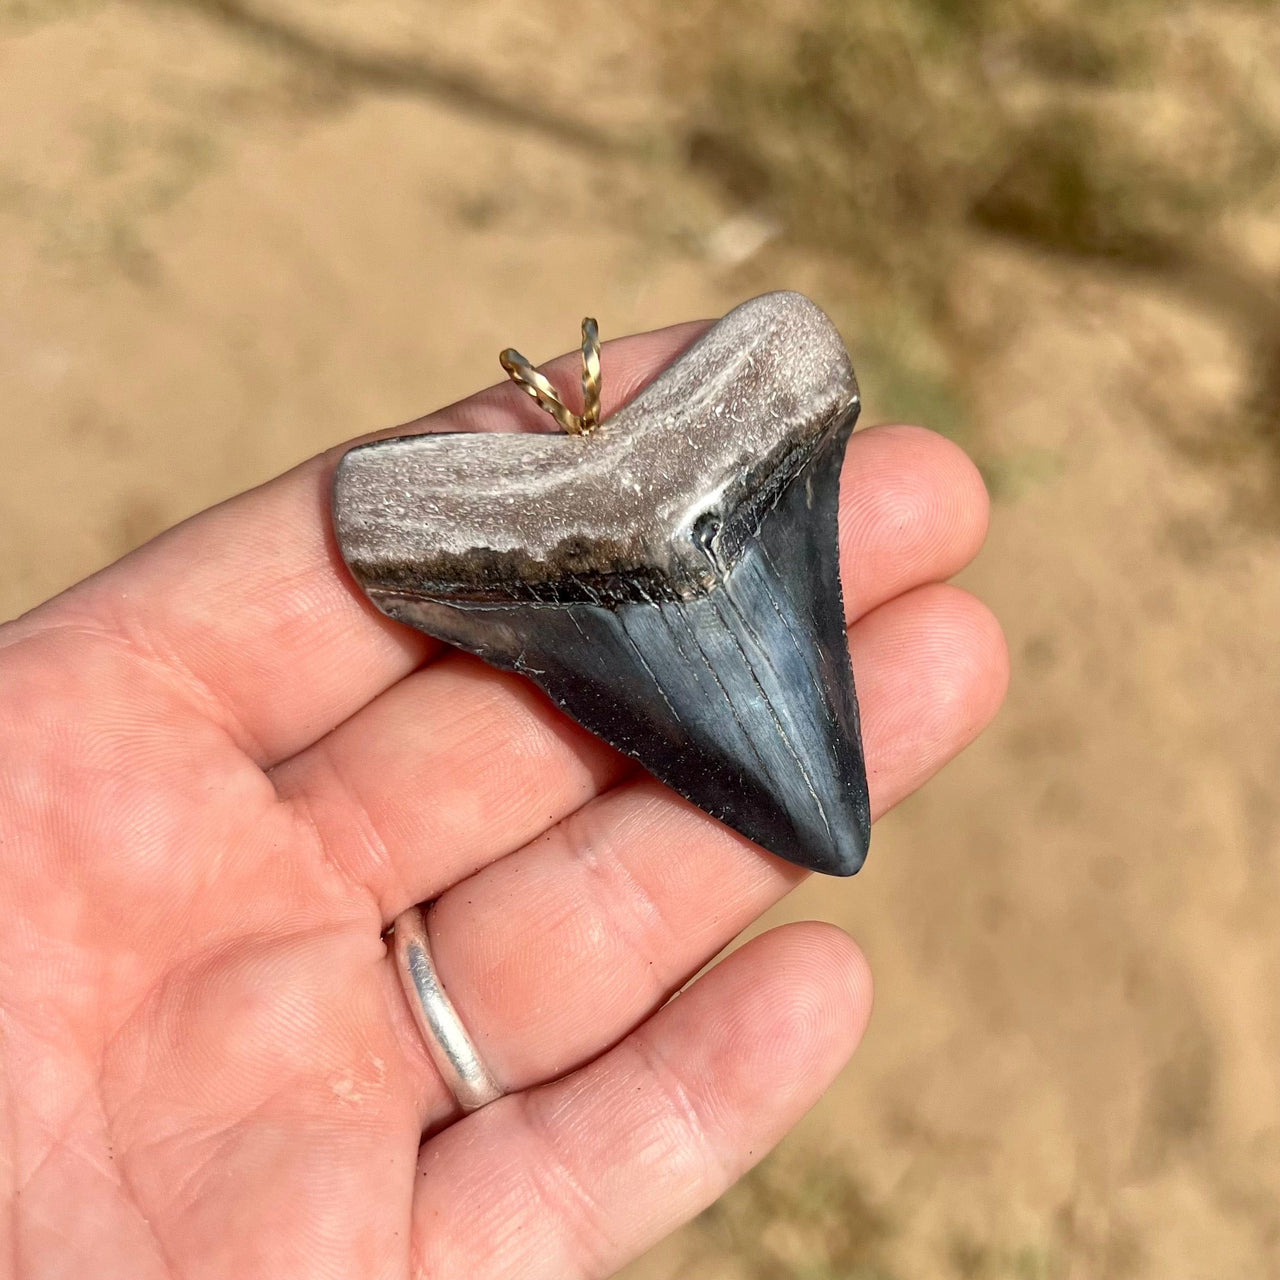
column 459, row 764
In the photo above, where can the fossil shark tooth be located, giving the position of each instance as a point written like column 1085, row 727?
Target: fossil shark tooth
column 671, row 578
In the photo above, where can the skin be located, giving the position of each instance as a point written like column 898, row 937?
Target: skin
column 222, row 774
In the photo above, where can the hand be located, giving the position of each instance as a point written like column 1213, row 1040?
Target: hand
column 222, row 775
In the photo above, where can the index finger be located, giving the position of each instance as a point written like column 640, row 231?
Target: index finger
column 248, row 606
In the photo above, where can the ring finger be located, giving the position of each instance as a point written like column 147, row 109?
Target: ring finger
column 553, row 953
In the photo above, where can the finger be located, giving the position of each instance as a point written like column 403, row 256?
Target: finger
column 457, row 764
column 572, row 1180
column 248, row 607
column 913, row 510
column 552, row 953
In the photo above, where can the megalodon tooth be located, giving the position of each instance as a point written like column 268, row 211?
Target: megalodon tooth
column 670, row 578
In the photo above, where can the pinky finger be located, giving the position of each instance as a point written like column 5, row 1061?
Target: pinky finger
column 571, row 1180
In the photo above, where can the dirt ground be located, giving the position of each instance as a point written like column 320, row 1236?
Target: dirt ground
column 225, row 245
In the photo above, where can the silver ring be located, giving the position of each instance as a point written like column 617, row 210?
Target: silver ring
column 446, row 1038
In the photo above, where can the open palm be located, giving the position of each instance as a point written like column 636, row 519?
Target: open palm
column 222, row 775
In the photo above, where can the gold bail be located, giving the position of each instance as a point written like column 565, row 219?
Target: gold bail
column 525, row 376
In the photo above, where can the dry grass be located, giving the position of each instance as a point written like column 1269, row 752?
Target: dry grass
column 1131, row 134
column 799, row 1218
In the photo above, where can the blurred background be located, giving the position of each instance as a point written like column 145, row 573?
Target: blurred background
column 234, row 232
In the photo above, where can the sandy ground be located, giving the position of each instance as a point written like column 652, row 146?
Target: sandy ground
column 220, row 252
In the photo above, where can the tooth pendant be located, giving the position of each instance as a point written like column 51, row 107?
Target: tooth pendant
column 669, row 575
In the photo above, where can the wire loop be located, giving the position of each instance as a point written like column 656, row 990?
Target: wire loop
column 528, row 379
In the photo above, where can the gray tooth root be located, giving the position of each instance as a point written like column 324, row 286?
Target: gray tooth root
column 736, row 692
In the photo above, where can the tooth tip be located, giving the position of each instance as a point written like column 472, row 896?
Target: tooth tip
column 843, row 856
